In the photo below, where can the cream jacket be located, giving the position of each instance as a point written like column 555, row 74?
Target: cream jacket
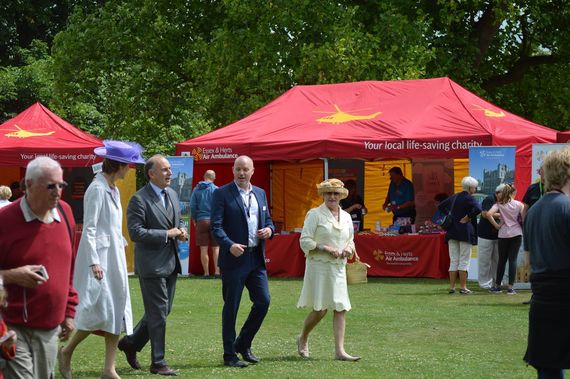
column 321, row 228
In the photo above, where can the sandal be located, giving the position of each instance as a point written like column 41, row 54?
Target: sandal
column 303, row 353
column 465, row 291
column 451, row 290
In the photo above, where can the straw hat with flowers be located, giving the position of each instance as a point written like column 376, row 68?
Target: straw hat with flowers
column 332, row 185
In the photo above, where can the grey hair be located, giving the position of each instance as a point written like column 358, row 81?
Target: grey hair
column 149, row 165
column 468, row 182
column 5, row 193
column 36, row 167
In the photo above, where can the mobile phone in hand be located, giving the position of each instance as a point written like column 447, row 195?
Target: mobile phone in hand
column 43, row 272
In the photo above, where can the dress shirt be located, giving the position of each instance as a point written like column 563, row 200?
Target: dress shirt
column 251, row 209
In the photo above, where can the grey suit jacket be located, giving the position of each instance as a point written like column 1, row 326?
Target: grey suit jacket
column 148, row 223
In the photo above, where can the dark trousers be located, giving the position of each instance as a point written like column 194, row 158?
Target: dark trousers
column 508, row 250
column 157, row 294
column 549, row 373
column 252, row 275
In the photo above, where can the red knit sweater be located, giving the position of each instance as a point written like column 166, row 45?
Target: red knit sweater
column 35, row 243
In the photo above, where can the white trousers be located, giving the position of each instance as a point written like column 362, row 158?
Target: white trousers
column 459, row 255
column 487, row 258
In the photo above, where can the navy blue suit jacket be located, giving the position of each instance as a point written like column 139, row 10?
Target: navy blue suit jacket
column 465, row 205
column 229, row 222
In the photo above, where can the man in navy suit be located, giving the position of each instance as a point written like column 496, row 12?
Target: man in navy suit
column 241, row 223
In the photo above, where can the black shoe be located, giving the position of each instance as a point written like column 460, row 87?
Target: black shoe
column 235, row 363
column 248, row 356
column 130, row 353
column 162, row 370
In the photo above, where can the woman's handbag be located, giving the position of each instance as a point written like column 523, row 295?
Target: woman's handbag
column 447, row 219
column 357, row 271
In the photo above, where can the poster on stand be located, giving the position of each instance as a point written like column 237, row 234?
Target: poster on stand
column 181, row 183
column 491, row 166
column 539, row 152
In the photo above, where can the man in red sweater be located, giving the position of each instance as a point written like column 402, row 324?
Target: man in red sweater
column 37, row 259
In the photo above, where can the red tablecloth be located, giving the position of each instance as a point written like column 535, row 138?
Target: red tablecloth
column 398, row 256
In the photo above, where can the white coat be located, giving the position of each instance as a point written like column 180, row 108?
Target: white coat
column 106, row 304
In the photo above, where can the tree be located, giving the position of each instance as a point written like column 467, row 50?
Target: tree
column 21, row 86
column 506, row 51
column 164, row 72
column 160, row 72
column 27, row 28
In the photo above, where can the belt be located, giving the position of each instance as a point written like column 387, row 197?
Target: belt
column 252, row 249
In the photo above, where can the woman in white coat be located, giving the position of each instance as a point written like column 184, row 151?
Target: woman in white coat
column 101, row 269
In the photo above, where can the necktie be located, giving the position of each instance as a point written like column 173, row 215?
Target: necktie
column 166, row 200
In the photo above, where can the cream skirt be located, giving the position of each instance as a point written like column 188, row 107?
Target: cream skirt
column 324, row 287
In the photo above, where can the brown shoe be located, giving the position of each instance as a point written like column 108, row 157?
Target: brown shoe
column 130, row 353
column 163, row 370
column 64, row 365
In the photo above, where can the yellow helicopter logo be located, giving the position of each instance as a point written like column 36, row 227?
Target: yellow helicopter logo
column 488, row 112
column 378, row 255
column 197, row 153
column 22, row 133
column 340, row 116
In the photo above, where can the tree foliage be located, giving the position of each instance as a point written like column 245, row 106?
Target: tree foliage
column 160, row 72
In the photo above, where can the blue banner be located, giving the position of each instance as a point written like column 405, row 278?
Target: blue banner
column 181, row 182
column 491, row 166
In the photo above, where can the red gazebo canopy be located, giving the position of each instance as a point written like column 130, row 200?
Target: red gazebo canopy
column 428, row 118
column 38, row 131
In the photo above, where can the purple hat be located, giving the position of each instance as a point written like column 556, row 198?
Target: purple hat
column 124, row 152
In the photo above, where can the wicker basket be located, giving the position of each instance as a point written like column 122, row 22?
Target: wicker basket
column 356, row 272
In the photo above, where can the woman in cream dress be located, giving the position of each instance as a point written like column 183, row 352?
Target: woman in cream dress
column 327, row 241
column 101, row 269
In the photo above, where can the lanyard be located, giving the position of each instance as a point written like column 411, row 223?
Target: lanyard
column 247, row 209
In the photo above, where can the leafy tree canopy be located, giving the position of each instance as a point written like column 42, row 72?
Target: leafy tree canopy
column 159, row 72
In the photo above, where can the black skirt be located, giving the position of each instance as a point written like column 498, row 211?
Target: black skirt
column 549, row 321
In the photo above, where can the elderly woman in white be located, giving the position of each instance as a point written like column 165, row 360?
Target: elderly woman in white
column 101, row 276
column 327, row 241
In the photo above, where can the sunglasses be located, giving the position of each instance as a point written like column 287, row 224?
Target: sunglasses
column 53, row 186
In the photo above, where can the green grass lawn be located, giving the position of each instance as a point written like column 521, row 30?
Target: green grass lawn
column 402, row 328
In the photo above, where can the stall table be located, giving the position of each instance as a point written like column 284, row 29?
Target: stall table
column 397, row 256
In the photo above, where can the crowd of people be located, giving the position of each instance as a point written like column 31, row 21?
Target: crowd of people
column 87, row 290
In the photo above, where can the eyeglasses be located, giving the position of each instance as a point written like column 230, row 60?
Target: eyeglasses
column 53, row 186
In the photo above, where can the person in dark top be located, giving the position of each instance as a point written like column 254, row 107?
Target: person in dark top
column 487, row 243
column 438, row 216
column 400, row 199
column 462, row 234
column 353, row 204
column 534, row 192
column 547, row 237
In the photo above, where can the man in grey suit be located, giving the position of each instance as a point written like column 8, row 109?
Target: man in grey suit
column 153, row 218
